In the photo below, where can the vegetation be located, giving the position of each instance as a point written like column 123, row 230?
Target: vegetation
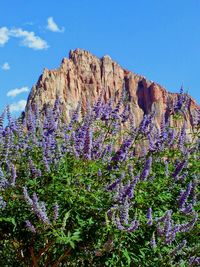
column 98, row 191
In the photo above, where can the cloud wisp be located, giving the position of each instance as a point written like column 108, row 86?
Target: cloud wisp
column 53, row 27
column 4, row 36
column 14, row 92
column 18, row 106
column 28, row 39
column 5, row 66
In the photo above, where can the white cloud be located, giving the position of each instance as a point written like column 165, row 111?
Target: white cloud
column 5, row 66
column 52, row 26
column 4, row 36
column 29, row 39
column 18, row 106
column 17, row 91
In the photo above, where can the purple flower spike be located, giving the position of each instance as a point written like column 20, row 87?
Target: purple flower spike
column 188, row 226
column 188, row 209
column 153, row 241
column 194, row 261
column 179, row 247
column 87, row 144
column 124, row 214
column 184, row 195
column 146, row 170
column 179, row 168
column 149, row 217
column 28, row 200
column 2, row 203
column 55, row 212
column 113, row 185
column 118, row 223
column 134, row 225
column 30, row 227
column 13, row 175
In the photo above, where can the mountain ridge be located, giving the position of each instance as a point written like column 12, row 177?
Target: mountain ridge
column 82, row 77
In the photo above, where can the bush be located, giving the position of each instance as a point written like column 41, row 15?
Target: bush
column 99, row 190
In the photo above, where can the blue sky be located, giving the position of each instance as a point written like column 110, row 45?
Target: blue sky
column 154, row 38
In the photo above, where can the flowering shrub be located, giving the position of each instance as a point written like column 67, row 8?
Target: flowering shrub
column 99, row 190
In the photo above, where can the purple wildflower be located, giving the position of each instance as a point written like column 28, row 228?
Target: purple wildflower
column 146, row 170
column 153, row 241
column 172, row 234
column 28, row 200
column 13, row 175
column 182, row 137
column 87, row 143
column 55, row 212
column 125, row 114
column 179, row 168
column 167, row 224
column 118, row 223
column 149, row 217
column 2, row 203
column 133, row 226
column 113, row 185
column 121, row 154
column 180, row 246
column 40, row 209
column 124, row 214
column 184, row 195
column 194, row 261
column 3, row 181
column 30, row 227
column 188, row 209
column 188, row 226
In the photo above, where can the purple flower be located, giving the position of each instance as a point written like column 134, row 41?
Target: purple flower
column 121, row 154
column 153, row 241
column 2, row 203
column 40, row 209
column 3, row 181
column 13, row 175
column 124, row 214
column 184, row 195
column 170, row 237
column 118, row 223
column 146, row 170
column 167, row 224
column 30, row 227
column 55, row 212
column 188, row 226
column 75, row 116
column 159, row 229
column 188, row 209
column 149, row 217
column 179, row 168
column 37, row 207
column 134, row 226
column 28, row 200
column 194, row 261
column 87, row 144
column 125, row 114
column 113, row 185
column 180, row 246
column 182, row 137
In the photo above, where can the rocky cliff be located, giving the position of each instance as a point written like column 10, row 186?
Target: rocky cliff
column 83, row 76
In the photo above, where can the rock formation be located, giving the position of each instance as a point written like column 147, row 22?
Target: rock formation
column 83, row 76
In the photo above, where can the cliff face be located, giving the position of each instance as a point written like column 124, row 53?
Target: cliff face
column 83, row 76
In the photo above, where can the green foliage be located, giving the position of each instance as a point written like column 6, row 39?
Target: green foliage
column 84, row 234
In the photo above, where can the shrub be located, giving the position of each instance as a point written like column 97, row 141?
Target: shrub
column 99, row 190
